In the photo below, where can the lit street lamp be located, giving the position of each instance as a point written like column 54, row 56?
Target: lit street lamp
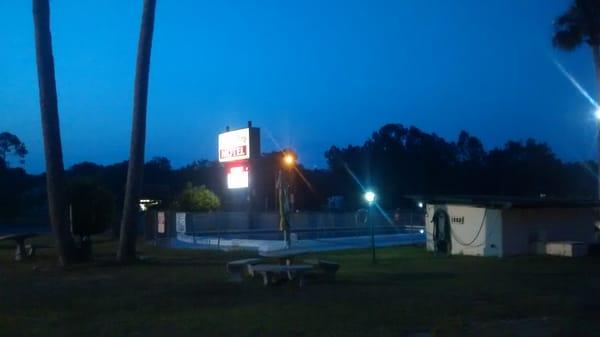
column 370, row 198
column 285, row 197
column 597, row 117
column 289, row 160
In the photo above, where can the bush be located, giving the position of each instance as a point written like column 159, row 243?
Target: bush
column 196, row 199
column 92, row 208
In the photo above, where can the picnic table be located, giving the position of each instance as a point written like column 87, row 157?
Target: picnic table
column 274, row 272
column 281, row 264
column 285, row 256
column 22, row 249
column 289, row 256
column 238, row 268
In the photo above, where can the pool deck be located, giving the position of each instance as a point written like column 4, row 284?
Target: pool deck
column 307, row 245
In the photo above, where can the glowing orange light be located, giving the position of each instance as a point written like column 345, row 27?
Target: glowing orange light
column 289, row 159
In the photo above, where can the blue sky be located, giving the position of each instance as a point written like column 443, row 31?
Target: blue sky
column 311, row 74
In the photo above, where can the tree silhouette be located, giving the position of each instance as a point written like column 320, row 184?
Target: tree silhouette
column 396, row 161
column 399, row 161
column 135, row 172
column 11, row 145
column 581, row 24
column 55, row 181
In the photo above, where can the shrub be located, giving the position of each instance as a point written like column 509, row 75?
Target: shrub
column 196, row 199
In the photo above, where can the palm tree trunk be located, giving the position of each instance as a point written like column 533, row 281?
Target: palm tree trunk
column 55, row 180
column 596, row 53
column 135, row 172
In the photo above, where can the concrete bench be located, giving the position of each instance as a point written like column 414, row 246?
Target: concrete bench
column 237, row 268
column 22, row 249
column 275, row 272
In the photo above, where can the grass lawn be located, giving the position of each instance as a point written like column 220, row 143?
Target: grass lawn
column 409, row 293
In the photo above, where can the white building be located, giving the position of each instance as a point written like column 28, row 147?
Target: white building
column 503, row 227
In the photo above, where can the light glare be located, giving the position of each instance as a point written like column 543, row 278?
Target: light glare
column 369, row 196
column 576, row 84
column 289, row 160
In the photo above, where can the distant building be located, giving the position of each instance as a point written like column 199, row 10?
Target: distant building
column 484, row 226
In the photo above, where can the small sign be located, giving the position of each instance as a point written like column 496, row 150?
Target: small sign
column 161, row 222
column 460, row 220
column 180, row 222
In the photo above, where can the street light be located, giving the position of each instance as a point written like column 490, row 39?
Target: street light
column 289, row 160
column 597, row 117
column 370, row 198
column 284, row 196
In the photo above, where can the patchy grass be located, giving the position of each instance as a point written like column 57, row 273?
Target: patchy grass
column 408, row 293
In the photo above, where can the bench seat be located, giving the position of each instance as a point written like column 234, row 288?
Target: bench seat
column 238, row 268
column 22, row 249
column 272, row 272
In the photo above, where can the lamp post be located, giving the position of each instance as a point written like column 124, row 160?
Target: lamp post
column 597, row 117
column 289, row 162
column 370, row 198
column 283, row 196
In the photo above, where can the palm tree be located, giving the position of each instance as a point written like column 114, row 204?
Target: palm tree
column 135, row 171
column 55, row 180
column 581, row 24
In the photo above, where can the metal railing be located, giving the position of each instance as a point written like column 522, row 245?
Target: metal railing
column 232, row 225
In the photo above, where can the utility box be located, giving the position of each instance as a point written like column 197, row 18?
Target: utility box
column 566, row 248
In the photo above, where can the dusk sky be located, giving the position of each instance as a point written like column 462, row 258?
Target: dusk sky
column 310, row 74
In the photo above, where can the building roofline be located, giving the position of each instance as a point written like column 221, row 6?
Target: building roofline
column 506, row 201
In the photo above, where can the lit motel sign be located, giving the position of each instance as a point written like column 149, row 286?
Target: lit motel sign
column 236, row 148
column 234, row 145
column 237, row 177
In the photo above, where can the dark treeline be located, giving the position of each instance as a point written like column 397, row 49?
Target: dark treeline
column 395, row 161
column 398, row 161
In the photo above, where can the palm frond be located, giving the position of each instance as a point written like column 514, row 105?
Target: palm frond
column 573, row 16
column 581, row 22
column 568, row 39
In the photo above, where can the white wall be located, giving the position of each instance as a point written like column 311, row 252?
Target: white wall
column 493, row 233
column 523, row 226
column 465, row 237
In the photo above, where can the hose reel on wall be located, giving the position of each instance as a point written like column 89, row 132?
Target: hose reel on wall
column 441, row 231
